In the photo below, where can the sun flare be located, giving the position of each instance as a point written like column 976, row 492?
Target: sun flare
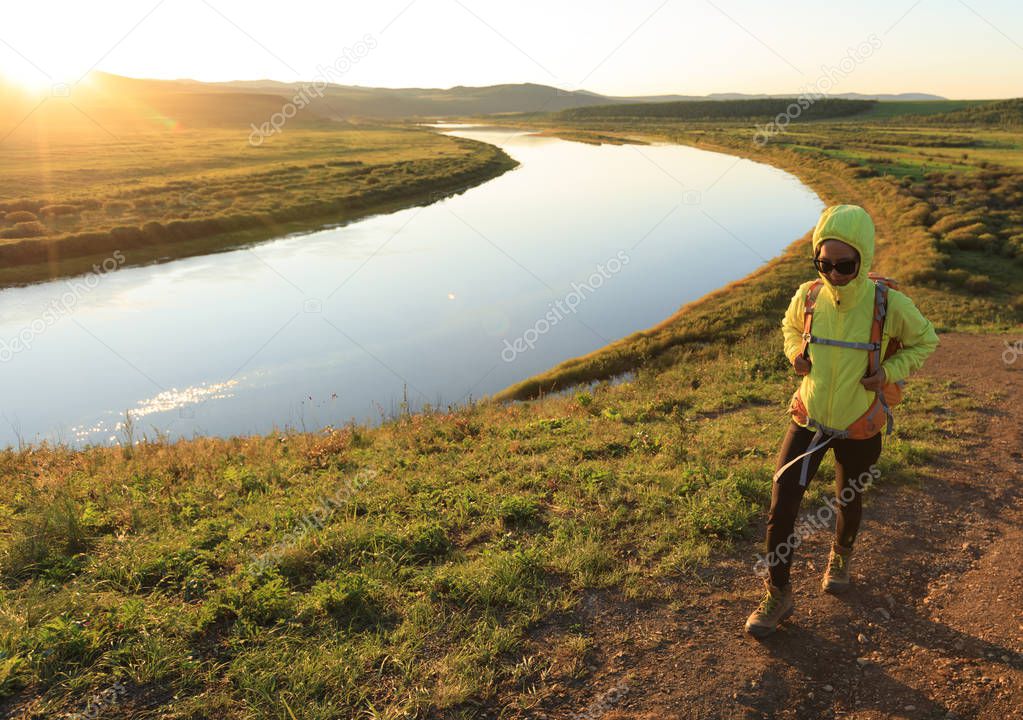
column 26, row 77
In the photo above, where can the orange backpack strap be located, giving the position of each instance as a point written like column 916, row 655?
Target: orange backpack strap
column 870, row 422
column 808, row 306
column 878, row 277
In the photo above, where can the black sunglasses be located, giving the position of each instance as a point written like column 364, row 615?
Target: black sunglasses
column 844, row 267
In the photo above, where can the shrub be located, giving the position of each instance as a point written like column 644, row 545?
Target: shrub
column 978, row 284
column 19, row 216
column 968, row 237
column 56, row 210
column 518, row 511
column 350, row 600
column 956, row 276
column 268, row 603
column 989, row 241
column 25, row 230
column 14, row 205
column 117, row 207
column 952, row 222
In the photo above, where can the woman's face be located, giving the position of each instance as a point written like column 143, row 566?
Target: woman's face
column 836, row 251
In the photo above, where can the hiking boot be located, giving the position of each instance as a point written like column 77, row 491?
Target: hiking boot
column 836, row 577
column 775, row 607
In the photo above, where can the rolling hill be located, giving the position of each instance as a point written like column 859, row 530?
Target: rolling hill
column 110, row 103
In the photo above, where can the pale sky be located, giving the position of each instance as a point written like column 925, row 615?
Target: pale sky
column 971, row 49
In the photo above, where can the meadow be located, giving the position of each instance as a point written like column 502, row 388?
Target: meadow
column 440, row 563
column 72, row 200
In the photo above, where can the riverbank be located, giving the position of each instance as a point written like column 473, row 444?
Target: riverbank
column 961, row 260
column 453, row 562
column 199, row 193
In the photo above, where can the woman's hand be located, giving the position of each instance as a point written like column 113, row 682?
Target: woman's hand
column 801, row 364
column 874, row 382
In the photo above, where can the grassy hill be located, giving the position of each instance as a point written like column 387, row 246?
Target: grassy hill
column 1003, row 113
column 759, row 109
column 169, row 172
column 914, row 108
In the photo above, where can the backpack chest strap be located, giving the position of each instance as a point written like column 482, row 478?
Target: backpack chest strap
column 810, row 338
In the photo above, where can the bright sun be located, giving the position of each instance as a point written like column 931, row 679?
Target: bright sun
column 26, row 77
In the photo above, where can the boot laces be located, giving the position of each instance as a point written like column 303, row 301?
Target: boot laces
column 837, row 561
column 768, row 603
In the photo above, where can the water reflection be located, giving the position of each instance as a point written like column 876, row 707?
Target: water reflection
column 418, row 305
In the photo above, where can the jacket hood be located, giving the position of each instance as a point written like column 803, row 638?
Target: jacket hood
column 852, row 225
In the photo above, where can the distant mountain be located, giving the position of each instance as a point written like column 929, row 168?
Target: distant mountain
column 355, row 100
column 105, row 102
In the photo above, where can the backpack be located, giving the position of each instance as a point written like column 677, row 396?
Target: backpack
column 870, row 422
column 879, row 414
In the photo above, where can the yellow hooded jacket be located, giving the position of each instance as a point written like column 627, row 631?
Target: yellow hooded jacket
column 831, row 391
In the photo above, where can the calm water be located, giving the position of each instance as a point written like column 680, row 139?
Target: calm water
column 577, row 247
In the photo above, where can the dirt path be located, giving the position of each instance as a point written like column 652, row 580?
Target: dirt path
column 933, row 627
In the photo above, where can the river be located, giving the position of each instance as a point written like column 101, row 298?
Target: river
column 578, row 246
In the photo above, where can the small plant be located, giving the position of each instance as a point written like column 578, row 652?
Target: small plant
column 518, row 511
column 350, row 600
column 127, row 435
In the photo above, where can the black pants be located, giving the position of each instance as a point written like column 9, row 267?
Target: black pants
column 855, row 469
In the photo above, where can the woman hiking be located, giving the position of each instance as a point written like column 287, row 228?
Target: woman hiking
column 849, row 381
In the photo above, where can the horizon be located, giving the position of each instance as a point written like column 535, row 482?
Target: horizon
column 610, row 51
column 299, row 83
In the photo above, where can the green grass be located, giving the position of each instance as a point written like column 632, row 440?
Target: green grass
column 66, row 203
column 439, row 562
column 902, row 108
column 194, row 567
column 762, row 109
